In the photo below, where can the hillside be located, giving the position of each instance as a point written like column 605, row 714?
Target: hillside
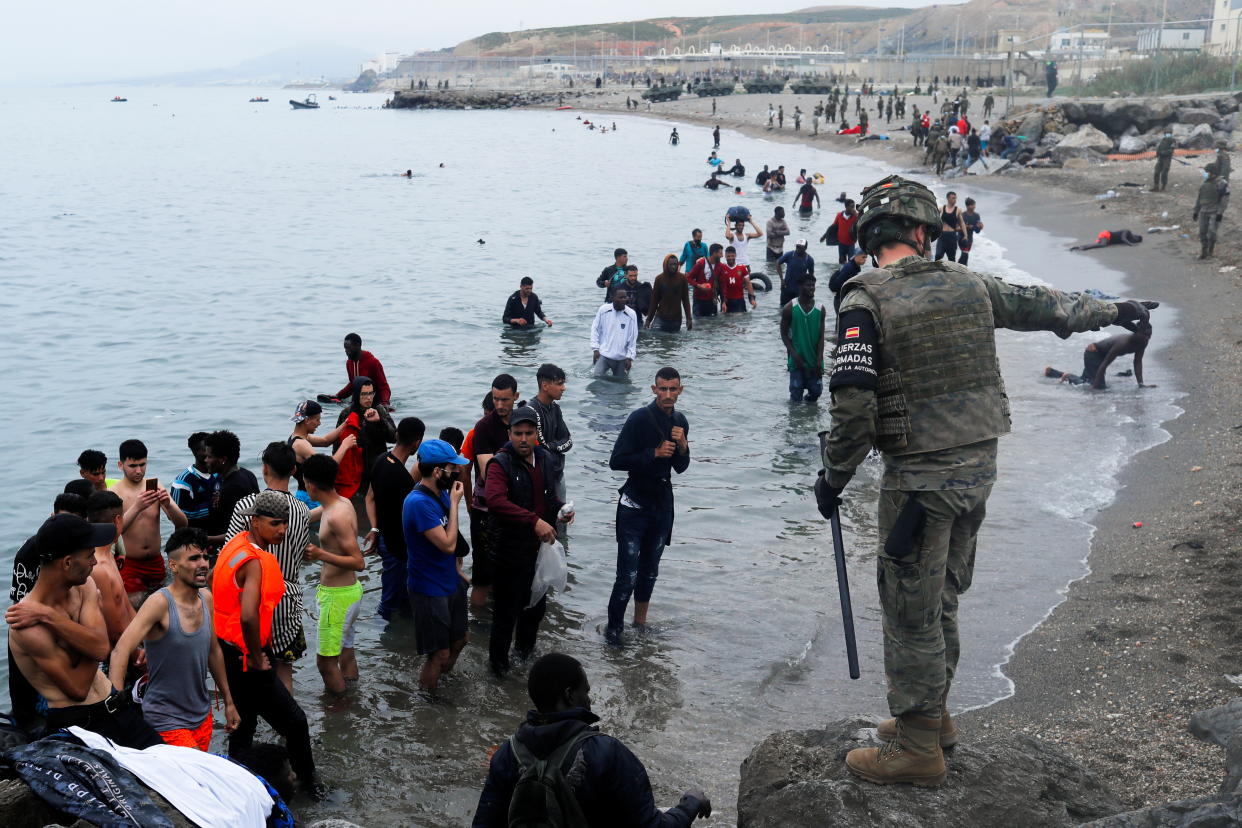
column 934, row 29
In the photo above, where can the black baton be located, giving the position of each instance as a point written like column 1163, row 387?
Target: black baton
column 843, row 586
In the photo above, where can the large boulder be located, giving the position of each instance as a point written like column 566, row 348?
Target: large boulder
column 1086, row 142
column 797, row 779
column 1200, row 137
column 1196, row 116
column 1203, row 812
column 1031, row 126
column 1226, row 105
column 1131, row 144
column 1227, row 123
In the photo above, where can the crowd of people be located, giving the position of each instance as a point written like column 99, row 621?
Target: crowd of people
column 115, row 629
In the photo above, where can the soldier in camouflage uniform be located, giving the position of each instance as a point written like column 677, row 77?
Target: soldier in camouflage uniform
column 1210, row 208
column 1164, row 157
column 916, row 376
column 1224, row 164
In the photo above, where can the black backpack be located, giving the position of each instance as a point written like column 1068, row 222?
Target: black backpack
column 543, row 797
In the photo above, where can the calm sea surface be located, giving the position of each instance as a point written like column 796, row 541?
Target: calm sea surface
column 189, row 261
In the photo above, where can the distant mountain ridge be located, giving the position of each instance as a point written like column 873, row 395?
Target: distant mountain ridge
column 296, row 63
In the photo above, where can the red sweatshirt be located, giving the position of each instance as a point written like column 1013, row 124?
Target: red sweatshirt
column 367, row 366
column 845, row 228
column 703, row 284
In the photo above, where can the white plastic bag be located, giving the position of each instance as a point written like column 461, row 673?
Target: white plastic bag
column 551, row 570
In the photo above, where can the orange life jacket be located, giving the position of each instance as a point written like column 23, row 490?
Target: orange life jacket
column 227, row 591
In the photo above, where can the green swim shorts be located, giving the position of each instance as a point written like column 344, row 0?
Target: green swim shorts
column 338, row 612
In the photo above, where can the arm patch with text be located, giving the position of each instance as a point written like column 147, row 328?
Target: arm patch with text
column 856, row 352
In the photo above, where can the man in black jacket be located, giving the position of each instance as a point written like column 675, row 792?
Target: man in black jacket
column 523, row 306
column 614, row 274
column 550, row 428
column 523, row 506
column 608, row 781
column 651, row 446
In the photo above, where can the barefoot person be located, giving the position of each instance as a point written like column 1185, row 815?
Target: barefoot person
column 144, row 564
column 57, row 636
column 174, row 627
column 651, row 446
column 437, row 591
column 340, row 594
column 1099, row 355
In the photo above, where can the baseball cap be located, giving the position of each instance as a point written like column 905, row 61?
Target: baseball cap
column 525, row 414
column 269, row 504
column 64, row 534
column 436, row 452
column 801, row 243
column 306, row 410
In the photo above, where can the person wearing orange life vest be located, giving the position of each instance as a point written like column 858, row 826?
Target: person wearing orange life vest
column 247, row 585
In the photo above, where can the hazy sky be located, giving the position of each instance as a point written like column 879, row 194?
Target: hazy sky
column 92, row 40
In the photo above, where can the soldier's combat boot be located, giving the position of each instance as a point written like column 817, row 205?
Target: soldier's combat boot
column 1203, row 250
column 914, row 757
column 887, row 729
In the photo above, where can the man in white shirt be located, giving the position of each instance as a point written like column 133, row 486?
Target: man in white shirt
column 738, row 236
column 614, row 336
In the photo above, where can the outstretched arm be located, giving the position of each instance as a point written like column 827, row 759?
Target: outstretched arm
column 1036, row 308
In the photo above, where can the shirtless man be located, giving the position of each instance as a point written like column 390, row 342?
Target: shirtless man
column 306, row 421
column 57, row 636
column 106, row 508
column 340, row 593
column 1099, row 355
column 144, row 564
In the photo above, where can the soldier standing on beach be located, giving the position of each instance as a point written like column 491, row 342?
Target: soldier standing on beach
column 1210, row 208
column 1164, row 157
column 916, row 376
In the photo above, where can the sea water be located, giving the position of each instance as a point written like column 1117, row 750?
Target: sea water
column 189, row 261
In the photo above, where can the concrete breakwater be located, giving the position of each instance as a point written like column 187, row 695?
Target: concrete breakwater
column 481, row 99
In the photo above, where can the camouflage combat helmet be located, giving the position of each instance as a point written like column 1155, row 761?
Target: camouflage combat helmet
column 895, row 198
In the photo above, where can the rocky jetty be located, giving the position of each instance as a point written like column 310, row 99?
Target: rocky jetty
column 454, row 99
column 798, row 778
column 1092, row 128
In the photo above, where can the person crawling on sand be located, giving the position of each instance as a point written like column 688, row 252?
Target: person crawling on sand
column 1108, row 238
column 1099, row 355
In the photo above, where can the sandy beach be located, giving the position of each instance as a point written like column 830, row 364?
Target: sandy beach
column 1147, row 638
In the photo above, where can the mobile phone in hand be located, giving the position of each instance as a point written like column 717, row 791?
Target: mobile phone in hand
column 153, row 483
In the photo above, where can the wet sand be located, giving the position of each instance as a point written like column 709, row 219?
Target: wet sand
column 1146, row 638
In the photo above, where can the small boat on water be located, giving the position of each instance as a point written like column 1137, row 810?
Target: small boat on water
column 260, row 100
column 332, row 97
column 119, row 99
column 311, row 102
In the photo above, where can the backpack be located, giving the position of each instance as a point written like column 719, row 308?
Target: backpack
column 543, row 797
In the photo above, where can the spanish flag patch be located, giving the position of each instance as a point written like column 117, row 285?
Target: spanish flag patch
column 851, row 333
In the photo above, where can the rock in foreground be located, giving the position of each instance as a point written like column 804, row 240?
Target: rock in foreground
column 798, row 778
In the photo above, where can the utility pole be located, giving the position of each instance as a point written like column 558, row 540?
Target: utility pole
column 1164, row 10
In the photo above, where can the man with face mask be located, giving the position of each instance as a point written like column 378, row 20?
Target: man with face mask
column 1210, row 208
column 916, row 376
column 437, row 591
column 1164, row 157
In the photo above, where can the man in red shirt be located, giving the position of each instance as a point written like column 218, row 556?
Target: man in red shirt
column 703, row 281
column 360, row 363
column 734, row 281
column 844, row 222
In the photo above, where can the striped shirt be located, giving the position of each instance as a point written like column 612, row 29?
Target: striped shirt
column 287, row 619
column 193, row 493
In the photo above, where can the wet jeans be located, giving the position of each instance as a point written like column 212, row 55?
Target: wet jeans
column 641, row 537
column 513, row 623
column 394, row 599
column 799, row 381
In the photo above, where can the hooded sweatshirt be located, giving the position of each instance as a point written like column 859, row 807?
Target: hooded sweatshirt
column 610, row 783
column 373, row 440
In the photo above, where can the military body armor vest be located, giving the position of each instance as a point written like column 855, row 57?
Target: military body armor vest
column 939, row 380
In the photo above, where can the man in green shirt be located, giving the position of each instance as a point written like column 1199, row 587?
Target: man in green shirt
column 802, row 331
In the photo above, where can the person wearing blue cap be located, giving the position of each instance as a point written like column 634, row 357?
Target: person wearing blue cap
column 432, row 542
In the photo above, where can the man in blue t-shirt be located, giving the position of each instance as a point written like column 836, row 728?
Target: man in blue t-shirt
column 437, row 591
column 791, row 267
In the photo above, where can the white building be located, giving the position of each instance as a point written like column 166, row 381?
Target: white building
column 1087, row 42
column 1168, row 39
column 383, row 62
column 1225, row 34
column 1008, row 40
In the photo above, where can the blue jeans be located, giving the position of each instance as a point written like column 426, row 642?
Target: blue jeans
column 394, row 599
column 800, row 381
column 641, row 537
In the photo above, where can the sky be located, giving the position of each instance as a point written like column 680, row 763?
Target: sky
column 88, row 40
